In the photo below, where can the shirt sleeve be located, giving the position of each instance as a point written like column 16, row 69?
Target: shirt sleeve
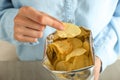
column 25, row 51
column 107, row 43
column 7, row 14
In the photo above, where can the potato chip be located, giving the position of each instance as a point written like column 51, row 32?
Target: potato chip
column 62, row 46
column 71, row 60
column 86, row 46
column 80, row 62
column 70, row 31
column 76, row 43
column 56, row 61
column 75, row 52
column 57, row 48
column 47, row 63
column 84, row 32
column 55, row 37
column 51, row 54
column 86, row 60
column 62, row 66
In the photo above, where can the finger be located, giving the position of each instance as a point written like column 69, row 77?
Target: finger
column 40, row 18
column 32, row 33
column 24, row 21
column 22, row 38
column 41, row 28
column 18, row 29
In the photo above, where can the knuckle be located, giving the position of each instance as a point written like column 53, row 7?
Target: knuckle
column 18, row 19
column 40, row 35
column 42, row 28
column 25, row 8
column 41, row 19
column 17, row 37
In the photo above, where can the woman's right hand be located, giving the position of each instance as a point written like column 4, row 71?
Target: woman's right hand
column 29, row 24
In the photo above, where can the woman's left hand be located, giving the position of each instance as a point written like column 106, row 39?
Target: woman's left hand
column 97, row 68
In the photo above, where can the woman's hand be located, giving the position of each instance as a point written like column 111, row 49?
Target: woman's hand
column 29, row 24
column 97, row 68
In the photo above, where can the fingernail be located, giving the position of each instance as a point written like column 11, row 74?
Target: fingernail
column 61, row 26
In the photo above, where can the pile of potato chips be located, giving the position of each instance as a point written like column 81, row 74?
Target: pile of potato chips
column 69, row 49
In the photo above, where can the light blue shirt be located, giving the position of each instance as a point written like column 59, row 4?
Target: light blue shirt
column 102, row 17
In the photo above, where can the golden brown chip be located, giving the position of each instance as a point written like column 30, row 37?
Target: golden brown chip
column 71, row 60
column 56, row 49
column 84, row 32
column 76, row 43
column 62, row 66
column 86, row 46
column 86, row 60
column 48, row 64
column 62, row 47
column 75, row 52
column 70, row 31
column 51, row 54
column 80, row 62
column 55, row 36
